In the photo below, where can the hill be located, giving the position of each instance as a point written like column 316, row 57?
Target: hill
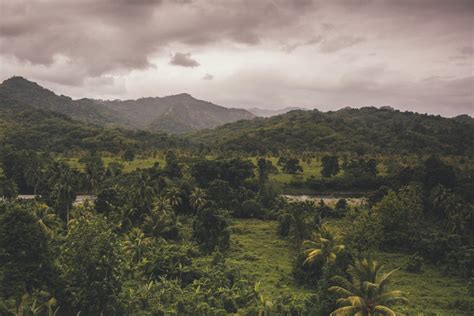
column 269, row 113
column 86, row 110
column 25, row 127
column 173, row 114
column 362, row 130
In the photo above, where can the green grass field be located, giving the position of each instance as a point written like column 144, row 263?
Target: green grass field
column 138, row 163
column 257, row 250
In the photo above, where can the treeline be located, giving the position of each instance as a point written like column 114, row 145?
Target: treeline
column 366, row 130
column 24, row 127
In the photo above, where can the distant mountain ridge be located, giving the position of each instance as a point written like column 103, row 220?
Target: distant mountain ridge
column 269, row 113
column 173, row 114
column 176, row 113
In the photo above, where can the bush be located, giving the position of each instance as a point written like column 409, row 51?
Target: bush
column 414, row 264
column 249, row 209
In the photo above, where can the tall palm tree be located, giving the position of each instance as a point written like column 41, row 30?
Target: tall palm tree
column 143, row 191
column 326, row 246
column 366, row 293
column 62, row 181
column 94, row 168
column 198, row 198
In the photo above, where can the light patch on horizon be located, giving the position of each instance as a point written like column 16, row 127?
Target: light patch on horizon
column 414, row 56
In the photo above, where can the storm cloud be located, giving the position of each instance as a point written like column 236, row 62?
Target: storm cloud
column 414, row 55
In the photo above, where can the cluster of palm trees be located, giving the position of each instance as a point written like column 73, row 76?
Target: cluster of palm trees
column 365, row 292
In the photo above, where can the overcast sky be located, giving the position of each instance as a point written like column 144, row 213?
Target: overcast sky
column 409, row 54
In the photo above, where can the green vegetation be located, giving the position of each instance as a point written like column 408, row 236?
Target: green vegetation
column 178, row 228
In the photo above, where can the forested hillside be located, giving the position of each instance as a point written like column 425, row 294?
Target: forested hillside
column 32, row 94
column 363, row 130
column 175, row 114
column 172, row 114
column 25, row 127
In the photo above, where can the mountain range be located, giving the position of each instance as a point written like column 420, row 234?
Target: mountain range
column 36, row 118
column 172, row 114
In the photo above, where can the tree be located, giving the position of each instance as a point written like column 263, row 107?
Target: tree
column 25, row 259
column 292, row 166
column 142, row 193
column 135, row 244
column 173, row 195
column 129, row 154
column 211, row 229
column 325, row 246
column 94, row 168
column 366, row 293
column 330, row 166
column 172, row 168
column 198, row 198
column 62, row 181
column 400, row 214
column 264, row 167
column 8, row 188
column 91, row 267
column 34, row 171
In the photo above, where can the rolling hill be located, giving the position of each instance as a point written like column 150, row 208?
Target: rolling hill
column 26, row 127
column 368, row 129
column 173, row 114
column 269, row 113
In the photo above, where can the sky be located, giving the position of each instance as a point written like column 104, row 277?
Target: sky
column 415, row 55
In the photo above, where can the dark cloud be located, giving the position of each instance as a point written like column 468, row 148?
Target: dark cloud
column 184, row 60
column 337, row 47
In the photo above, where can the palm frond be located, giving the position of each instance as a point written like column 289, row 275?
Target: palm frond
column 346, row 311
column 384, row 310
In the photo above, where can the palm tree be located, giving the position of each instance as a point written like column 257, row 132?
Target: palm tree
column 135, row 244
column 63, row 182
column 326, row 246
column 94, row 168
column 47, row 220
column 158, row 223
column 162, row 205
column 143, row 191
column 198, row 198
column 34, row 172
column 174, row 196
column 366, row 292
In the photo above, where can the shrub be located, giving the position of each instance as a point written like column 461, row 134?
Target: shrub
column 414, row 264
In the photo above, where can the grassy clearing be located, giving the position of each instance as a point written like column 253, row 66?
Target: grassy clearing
column 129, row 166
column 257, row 250
column 429, row 292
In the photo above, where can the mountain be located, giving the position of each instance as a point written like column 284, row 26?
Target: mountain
column 173, row 114
column 269, row 113
column 26, row 127
column 86, row 110
column 364, row 130
column 176, row 114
